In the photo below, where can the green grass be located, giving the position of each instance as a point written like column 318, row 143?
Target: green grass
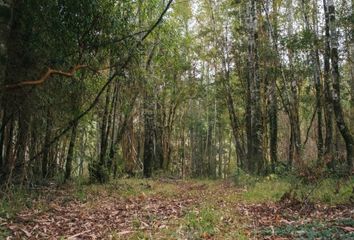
column 4, row 232
column 272, row 188
column 327, row 191
column 201, row 222
column 312, row 230
column 14, row 201
column 266, row 191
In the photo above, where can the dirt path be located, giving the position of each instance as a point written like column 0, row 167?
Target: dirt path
column 167, row 209
column 125, row 210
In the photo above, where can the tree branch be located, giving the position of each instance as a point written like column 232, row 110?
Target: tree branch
column 50, row 72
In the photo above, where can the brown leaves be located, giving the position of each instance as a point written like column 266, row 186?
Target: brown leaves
column 105, row 216
column 270, row 215
column 97, row 219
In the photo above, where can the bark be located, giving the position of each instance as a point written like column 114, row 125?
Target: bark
column 160, row 159
column 328, row 108
column 318, row 87
column 315, row 59
column 183, row 153
column 295, row 147
column 148, row 158
column 14, row 104
column 273, row 100
column 5, row 22
column 235, row 126
column 104, row 128
column 70, row 156
column 256, row 132
column 20, row 166
column 48, row 136
column 148, row 136
column 2, row 142
column 336, row 97
column 113, row 134
column 351, row 64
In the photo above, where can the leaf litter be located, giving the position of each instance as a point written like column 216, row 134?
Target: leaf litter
column 103, row 215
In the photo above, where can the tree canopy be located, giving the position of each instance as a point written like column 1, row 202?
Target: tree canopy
column 107, row 88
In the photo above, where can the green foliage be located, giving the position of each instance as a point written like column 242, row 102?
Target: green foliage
column 268, row 189
column 272, row 187
column 13, row 201
column 80, row 193
column 313, row 230
column 4, row 233
column 243, row 179
column 330, row 191
column 202, row 222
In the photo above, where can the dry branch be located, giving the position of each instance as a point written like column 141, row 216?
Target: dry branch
column 50, row 72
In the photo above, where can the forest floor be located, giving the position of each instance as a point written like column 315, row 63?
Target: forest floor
column 176, row 209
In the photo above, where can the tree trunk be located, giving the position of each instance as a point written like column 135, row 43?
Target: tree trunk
column 273, row 100
column 104, row 127
column 351, row 64
column 70, row 156
column 336, row 97
column 315, row 59
column 256, row 141
column 20, row 166
column 149, row 114
column 47, row 139
column 328, row 108
column 148, row 136
column 294, row 118
column 5, row 21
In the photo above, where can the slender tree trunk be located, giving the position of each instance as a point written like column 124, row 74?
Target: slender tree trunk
column 104, row 127
column 328, row 108
column 70, row 156
column 294, row 118
column 273, row 100
column 148, row 136
column 351, row 64
column 336, row 97
column 235, row 125
column 2, row 145
column 20, row 166
column 47, row 139
column 148, row 158
column 256, row 156
column 113, row 145
column 159, row 133
column 5, row 22
column 14, row 103
column 318, row 86
column 315, row 59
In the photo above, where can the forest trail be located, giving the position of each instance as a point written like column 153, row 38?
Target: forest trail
column 171, row 209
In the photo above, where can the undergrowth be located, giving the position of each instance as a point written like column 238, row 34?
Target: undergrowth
column 313, row 230
column 272, row 187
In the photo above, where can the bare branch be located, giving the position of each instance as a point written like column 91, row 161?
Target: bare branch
column 50, row 72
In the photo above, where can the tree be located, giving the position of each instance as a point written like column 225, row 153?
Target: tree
column 336, row 96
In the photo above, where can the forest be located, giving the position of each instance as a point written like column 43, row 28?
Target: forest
column 176, row 119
